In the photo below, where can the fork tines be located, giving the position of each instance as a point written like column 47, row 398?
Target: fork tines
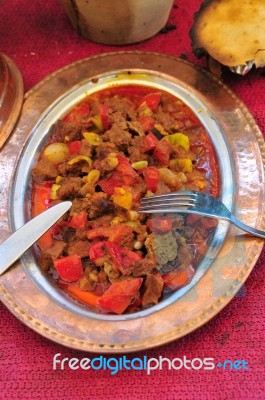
column 177, row 201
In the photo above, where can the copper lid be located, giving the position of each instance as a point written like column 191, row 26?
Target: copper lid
column 11, row 96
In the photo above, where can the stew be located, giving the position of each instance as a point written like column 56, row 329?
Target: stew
column 115, row 147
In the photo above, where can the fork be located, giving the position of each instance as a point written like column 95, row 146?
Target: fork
column 195, row 203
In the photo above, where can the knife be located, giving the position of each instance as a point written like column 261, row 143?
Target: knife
column 13, row 247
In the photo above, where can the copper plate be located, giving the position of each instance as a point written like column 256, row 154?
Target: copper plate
column 11, row 96
column 228, row 270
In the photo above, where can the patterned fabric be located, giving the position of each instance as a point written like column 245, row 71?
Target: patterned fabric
column 39, row 38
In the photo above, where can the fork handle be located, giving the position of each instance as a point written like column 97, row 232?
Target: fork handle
column 246, row 228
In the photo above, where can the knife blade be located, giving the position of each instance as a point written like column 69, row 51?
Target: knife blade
column 13, row 247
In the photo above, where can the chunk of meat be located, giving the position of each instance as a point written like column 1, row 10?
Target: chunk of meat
column 165, row 248
column 80, row 247
column 70, row 130
column 120, row 137
column 44, row 170
column 103, row 221
column 46, row 257
column 70, row 187
column 153, row 287
column 137, row 149
column 104, row 149
column 118, row 119
column 143, row 267
column 185, row 255
column 80, row 205
column 99, row 205
column 123, row 105
column 85, row 149
column 78, row 168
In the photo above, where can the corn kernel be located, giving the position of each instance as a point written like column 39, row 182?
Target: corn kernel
column 132, row 215
column 58, row 179
column 137, row 245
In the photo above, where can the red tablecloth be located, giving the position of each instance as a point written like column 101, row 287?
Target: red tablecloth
column 37, row 35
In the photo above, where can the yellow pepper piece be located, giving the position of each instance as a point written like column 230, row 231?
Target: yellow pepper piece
column 97, row 121
column 54, row 189
column 184, row 164
column 92, row 138
column 91, row 179
column 140, row 164
column 122, row 198
column 80, row 158
column 179, row 139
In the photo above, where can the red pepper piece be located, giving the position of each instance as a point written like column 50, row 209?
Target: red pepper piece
column 208, row 223
column 88, row 298
column 120, row 295
column 55, row 229
column 124, row 166
column 162, row 152
column 150, row 141
column 97, row 250
column 108, row 185
column 79, row 221
column 69, row 268
column 179, row 278
column 151, row 100
column 192, row 219
column 40, row 203
column 126, row 172
column 81, row 111
column 74, row 146
column 103, row 112
column 147, row 122
column 113, row 233
column 151, row 176
column 123, row 258
column 160, row 225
